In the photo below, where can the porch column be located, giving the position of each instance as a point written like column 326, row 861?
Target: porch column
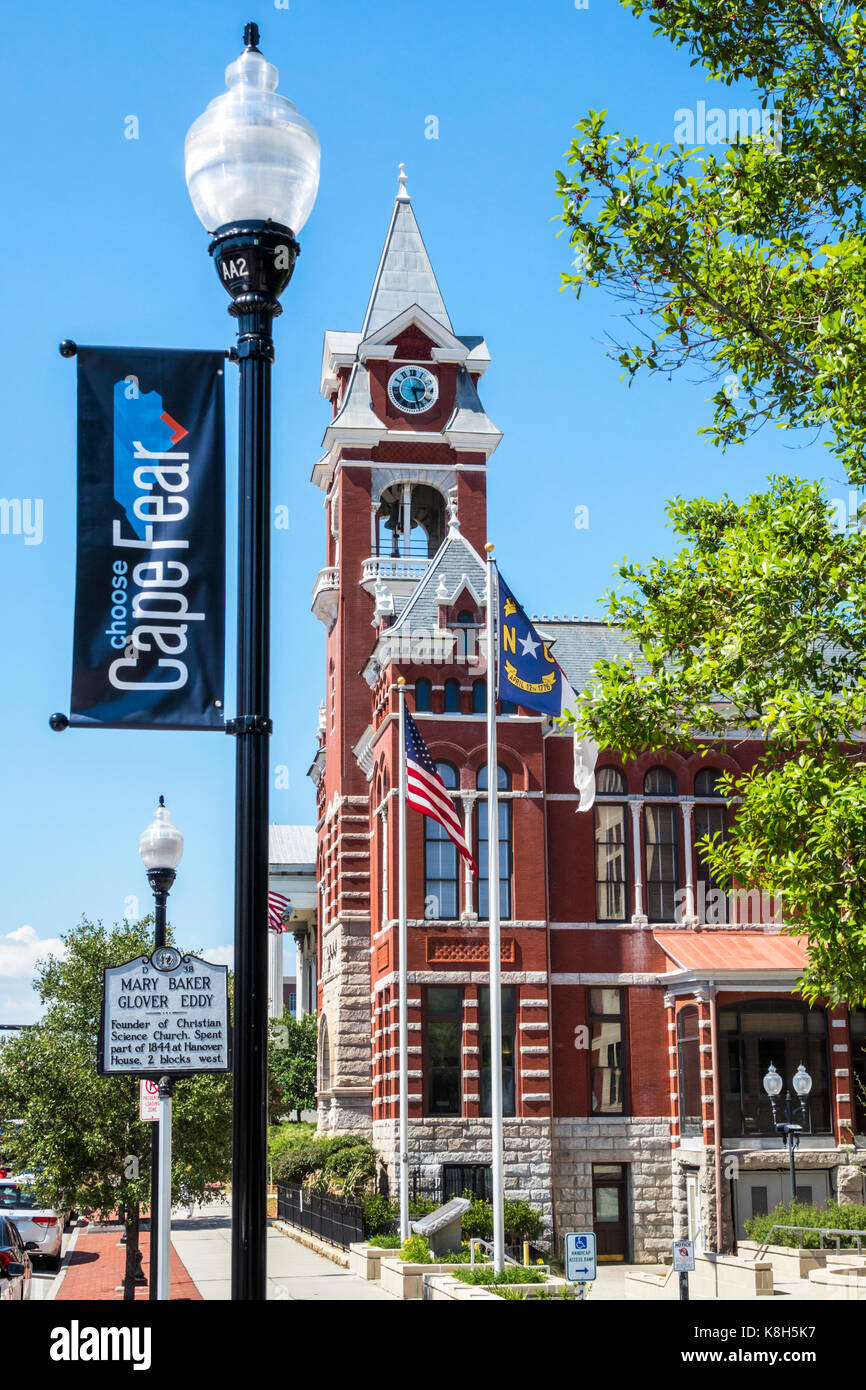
column 637, row 860
column 688, row 809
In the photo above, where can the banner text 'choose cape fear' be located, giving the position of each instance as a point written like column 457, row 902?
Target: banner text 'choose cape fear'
column 150, row 582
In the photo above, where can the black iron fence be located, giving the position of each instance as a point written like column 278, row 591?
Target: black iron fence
column 330, row 1218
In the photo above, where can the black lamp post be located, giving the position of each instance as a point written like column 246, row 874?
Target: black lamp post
column 790, row 1132
column 161, row 849
column 252, row 167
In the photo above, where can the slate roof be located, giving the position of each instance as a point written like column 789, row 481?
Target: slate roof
column 578, row 643
column 469, row 415
column 405, row 275
column 455, row 560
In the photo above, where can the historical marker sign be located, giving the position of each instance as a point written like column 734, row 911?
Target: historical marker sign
column 165, row 1015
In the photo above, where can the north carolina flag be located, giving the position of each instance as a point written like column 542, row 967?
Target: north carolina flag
column 528, row 674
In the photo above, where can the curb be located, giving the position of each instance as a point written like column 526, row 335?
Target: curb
column 55, row 1283
column 320, row 1247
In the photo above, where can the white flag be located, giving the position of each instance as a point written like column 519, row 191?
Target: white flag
column 585, row 758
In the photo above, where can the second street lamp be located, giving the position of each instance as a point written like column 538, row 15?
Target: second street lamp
column 790, row 1132
column 252, row 168
column 161, row 850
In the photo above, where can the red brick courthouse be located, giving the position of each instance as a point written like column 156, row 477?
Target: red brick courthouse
column 642, row 1006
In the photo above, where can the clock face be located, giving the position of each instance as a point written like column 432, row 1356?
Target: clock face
column 413, row 389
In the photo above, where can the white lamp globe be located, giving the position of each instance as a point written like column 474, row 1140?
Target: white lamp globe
column 251, row 156
column 161, row 844
column 802, row 1082
column 772, row 1082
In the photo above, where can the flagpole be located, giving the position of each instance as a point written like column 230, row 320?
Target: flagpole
column 493, row 911
column 403, row 973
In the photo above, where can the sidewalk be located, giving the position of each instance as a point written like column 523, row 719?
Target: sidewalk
column 294, row 1272
column 97, row 1263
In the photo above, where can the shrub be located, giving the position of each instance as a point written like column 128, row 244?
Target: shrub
column 850, row 1217
column 511, row 1274
column 522, row 1222
column 286, row 1138
column 360, row 1159
column 422, row 1206
column 384, row 1242
column 478, row 1220
column 380, row 1213
column 416, row 1251
column 297, row 1165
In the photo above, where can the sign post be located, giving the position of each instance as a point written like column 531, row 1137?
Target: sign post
column 580, row 1261
column 164, row 1016
column 684, row 1263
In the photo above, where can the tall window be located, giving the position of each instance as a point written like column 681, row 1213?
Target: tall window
column 440, row 860
column 661, row 840
column 505, row 847
column 464, row 637
column 689, row 1068
column 509, row 1049
column 443, row 1022
column 756, row 1033
column 710, row 820
column 452, row 697
column 611, row 871
column 479, row 697
column 607, row 1051
column 423, row 696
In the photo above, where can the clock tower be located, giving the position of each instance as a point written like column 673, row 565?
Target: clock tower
column 403, row 479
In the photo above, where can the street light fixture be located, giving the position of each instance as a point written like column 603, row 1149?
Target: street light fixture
column 161, row 850
column 252, row 168
column 790, row 1132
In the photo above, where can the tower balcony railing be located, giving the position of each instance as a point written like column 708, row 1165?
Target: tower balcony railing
column 326, row 595
column 392, row 568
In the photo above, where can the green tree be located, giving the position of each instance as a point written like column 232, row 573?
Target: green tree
column 292, row 1065
column 750, row 266
column 81, row 1131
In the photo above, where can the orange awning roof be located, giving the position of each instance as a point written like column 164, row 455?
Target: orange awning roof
column 733, row 951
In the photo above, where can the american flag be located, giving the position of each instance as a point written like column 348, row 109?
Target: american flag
column 277, row 906
column 427, row 793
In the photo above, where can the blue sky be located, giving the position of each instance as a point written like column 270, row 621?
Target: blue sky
column 103, row 247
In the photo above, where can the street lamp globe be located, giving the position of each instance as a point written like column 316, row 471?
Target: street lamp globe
column 802, row 1082
column 772, row 1082
column 161, row 844
column 250, row 156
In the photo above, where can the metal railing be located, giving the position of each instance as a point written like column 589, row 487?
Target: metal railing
column 330, row 1218
column 821, row 1231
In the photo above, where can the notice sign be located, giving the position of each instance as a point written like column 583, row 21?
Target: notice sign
column 148, row 1100
column 165, row 1015
column 684, row 1256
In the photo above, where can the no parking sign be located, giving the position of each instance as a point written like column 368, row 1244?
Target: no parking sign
column 148, row 1100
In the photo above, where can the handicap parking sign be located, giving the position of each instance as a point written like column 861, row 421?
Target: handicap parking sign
column 580, row 1257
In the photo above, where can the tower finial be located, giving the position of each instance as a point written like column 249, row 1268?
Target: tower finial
column 251, row 36
column 402, row 195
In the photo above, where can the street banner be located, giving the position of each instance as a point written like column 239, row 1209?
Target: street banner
column 150, row 582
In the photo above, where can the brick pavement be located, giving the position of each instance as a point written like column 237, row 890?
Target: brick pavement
column 97, row 1264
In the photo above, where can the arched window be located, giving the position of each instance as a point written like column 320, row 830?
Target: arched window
column 440, row 861
column 505, row 846
column 410, row 521
column 707, row 782
column 452, row 697
column 785, row 1032
column 689, row 1070
column 324, row 1056
column 423, row 696
column 465, row 637
column 479, row 697
column 611, row 849
column 660, row 781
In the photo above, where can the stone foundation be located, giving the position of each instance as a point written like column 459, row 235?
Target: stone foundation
column 432, row 1142
column 644, row 1146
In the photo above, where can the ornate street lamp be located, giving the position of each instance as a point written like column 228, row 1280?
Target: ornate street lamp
column 252, row 168
column 802, row 1083
column 161, row 849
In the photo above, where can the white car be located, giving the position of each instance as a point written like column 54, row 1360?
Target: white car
column 40, row 1228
